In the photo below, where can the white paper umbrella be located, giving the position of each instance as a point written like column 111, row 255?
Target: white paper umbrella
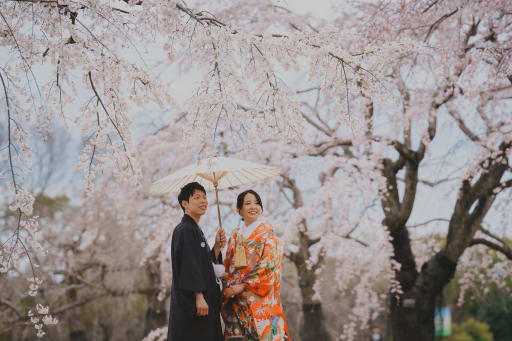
column 214, row 173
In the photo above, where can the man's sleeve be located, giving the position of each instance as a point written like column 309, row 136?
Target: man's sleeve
column 216, row 260
column 191, row 259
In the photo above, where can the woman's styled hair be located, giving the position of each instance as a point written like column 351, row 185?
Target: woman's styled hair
column 241, row 196
column 187, row 192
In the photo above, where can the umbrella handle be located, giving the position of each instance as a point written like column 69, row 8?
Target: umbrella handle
column 215, row 184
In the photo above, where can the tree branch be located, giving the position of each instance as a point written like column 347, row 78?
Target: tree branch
column 465, row 221
column 325, row 146
column 431, row 183
column 316, row 125
column 460, row 122
column 503, row 249
column 11, row 306
column 428, row 222
column 438, row 22
column 199, row 17
column 9, row 133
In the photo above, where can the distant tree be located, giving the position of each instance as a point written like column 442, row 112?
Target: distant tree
column 377, row 115
column 495, row 309
column 472, row 330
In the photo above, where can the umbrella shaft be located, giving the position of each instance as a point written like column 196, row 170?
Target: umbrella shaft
column 218, row 203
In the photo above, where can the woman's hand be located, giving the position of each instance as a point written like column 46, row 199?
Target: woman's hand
column 236, row 289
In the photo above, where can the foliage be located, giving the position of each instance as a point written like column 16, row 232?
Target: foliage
column 495, row 309
column 471, row 330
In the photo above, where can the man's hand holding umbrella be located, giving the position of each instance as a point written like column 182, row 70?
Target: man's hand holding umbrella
column 220, row 242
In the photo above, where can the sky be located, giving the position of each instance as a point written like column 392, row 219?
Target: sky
column 184, row 84
column 318, row 8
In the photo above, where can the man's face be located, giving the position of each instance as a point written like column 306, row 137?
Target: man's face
column 196, row 205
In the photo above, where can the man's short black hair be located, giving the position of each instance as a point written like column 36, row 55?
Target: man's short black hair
column 188, row 190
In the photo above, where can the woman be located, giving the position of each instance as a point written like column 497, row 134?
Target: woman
column 252, row 304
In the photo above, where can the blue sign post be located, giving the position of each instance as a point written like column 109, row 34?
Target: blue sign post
column 443, row 322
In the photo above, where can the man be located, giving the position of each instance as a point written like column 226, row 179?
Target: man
column 195, row 293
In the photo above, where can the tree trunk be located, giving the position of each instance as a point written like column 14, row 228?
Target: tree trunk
column 312, row 326
column 413, row 323
column 412, row 314
column 78, row 335
column 156, row 315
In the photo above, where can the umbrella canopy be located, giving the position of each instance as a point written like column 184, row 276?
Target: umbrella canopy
column 214, row 173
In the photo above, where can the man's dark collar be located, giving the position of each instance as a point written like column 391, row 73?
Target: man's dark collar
column 189, row 219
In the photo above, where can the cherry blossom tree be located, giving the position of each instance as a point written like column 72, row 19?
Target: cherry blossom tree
column 354, row 108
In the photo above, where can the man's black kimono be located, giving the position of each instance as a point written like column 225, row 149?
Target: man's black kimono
column 192, row 271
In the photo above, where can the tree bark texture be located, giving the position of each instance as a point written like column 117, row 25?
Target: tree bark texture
column 412, row 311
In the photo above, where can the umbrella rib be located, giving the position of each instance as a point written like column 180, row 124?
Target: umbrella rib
column 258, row 174
column 185, row 180
column 263, row 171
column 236, row 176
column 245, row 176
column 173, row 186
column 228, row 180
column 163, row 187
column 182, row 182
column 204, row 182
column 254, row 172
column 250, row 172
column 262, row 174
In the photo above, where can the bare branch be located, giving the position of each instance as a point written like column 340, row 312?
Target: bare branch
column 430, row 6
column 109, row 117
column 490, row 234
column 349, row 237
column 20, row 52
column 460, row 122
column 429, row 221
column 402, row 88
column 346, row 85
column 292, row 185
column 200, row 18
column 431, row 183
column 467, row 217
column 11, row 306
column 504, row 249
column 323, row 147
column 307, row 90
column 77, row 304
column 438, row 22
column 9, row 133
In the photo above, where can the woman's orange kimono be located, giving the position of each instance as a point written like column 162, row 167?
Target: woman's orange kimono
column 257, row 312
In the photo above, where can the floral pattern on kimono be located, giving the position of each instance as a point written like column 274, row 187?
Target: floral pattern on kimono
column 257, row 312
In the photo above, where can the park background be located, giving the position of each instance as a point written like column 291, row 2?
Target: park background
column 390, row 119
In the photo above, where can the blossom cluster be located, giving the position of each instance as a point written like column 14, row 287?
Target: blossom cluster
column 40, row 318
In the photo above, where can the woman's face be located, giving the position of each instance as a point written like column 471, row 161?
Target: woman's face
column 250, row 210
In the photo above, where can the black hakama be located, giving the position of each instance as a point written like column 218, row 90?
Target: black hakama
column 192, row 271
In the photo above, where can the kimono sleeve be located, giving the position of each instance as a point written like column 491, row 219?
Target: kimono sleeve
column 227, row 281
column 229, row 253
column 191, row 262
column 260, row 279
